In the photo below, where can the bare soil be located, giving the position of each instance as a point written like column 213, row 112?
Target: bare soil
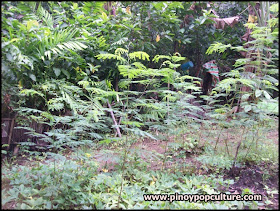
column 260, row 179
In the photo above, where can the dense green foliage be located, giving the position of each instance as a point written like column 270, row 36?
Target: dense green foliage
column 105, row 74
column 100, row 191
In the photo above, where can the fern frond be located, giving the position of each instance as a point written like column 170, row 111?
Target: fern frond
column 158, row 57
column 140, row 55
column 183, row 78
column 102, row 92
column 31, row 92
column 247, row 82
column 29, row 111
column 127, row 71
column 120, row 51
column 170, row 64
column 178, row 58
column 139, row 132
column 121, row 41
column 241, row 62
column 55, row 104
column 133, row 123
column 70, row 101
column 139, row 65
column 102, row 42
column 217, row 47
column 124, row 84
column 148, row 105
column 93, row 7
column 110, row 56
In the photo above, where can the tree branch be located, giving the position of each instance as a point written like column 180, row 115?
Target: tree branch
column 113, row 117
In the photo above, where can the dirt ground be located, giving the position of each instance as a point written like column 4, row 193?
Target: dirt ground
column 250, row 176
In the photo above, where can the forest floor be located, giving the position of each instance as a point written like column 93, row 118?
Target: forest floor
column 249, row 176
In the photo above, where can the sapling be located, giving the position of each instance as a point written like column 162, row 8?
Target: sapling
column 253, row 139
column 221, row 125
column 237, row 149
column 226, row 142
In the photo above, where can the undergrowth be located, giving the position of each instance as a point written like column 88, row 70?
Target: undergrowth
column 81, row 127
column 84, row 179
column 77, row 184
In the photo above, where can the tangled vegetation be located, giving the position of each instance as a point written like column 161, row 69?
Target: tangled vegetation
column 109, row 113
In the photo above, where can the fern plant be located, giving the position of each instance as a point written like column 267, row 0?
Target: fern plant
column 71, row 120
column 37, row 48
column 257, row 71
column 253, row 82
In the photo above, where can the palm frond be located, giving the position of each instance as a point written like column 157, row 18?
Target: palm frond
column 61, row 40
column 45, row 16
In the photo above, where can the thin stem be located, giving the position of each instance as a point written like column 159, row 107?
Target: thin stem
column 200, row 134
column 165, row 147
column 122, row 171
column 250, row 145
column 218, row 139
column 165, row 156
column 257, row 138
column 226, row 140
column 243, row 11
column 259, row 18
column 237, row 149
column 125, row 156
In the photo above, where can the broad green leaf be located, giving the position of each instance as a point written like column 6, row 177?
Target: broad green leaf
column 168, row 37
column 247, row 108
column 158, row 5
column 9, row 57
column 15, row 40
column 258, row 93
column 75, row 6
column 274, row 8
column 245, row 96
column 57, row 71
column 176, row 5
column 31, row 23
column 33, row 77
column 267, row 96
column 65, row 72
column 202, row 21
column 104, row 16
column 269, row 107
column 182, row 30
